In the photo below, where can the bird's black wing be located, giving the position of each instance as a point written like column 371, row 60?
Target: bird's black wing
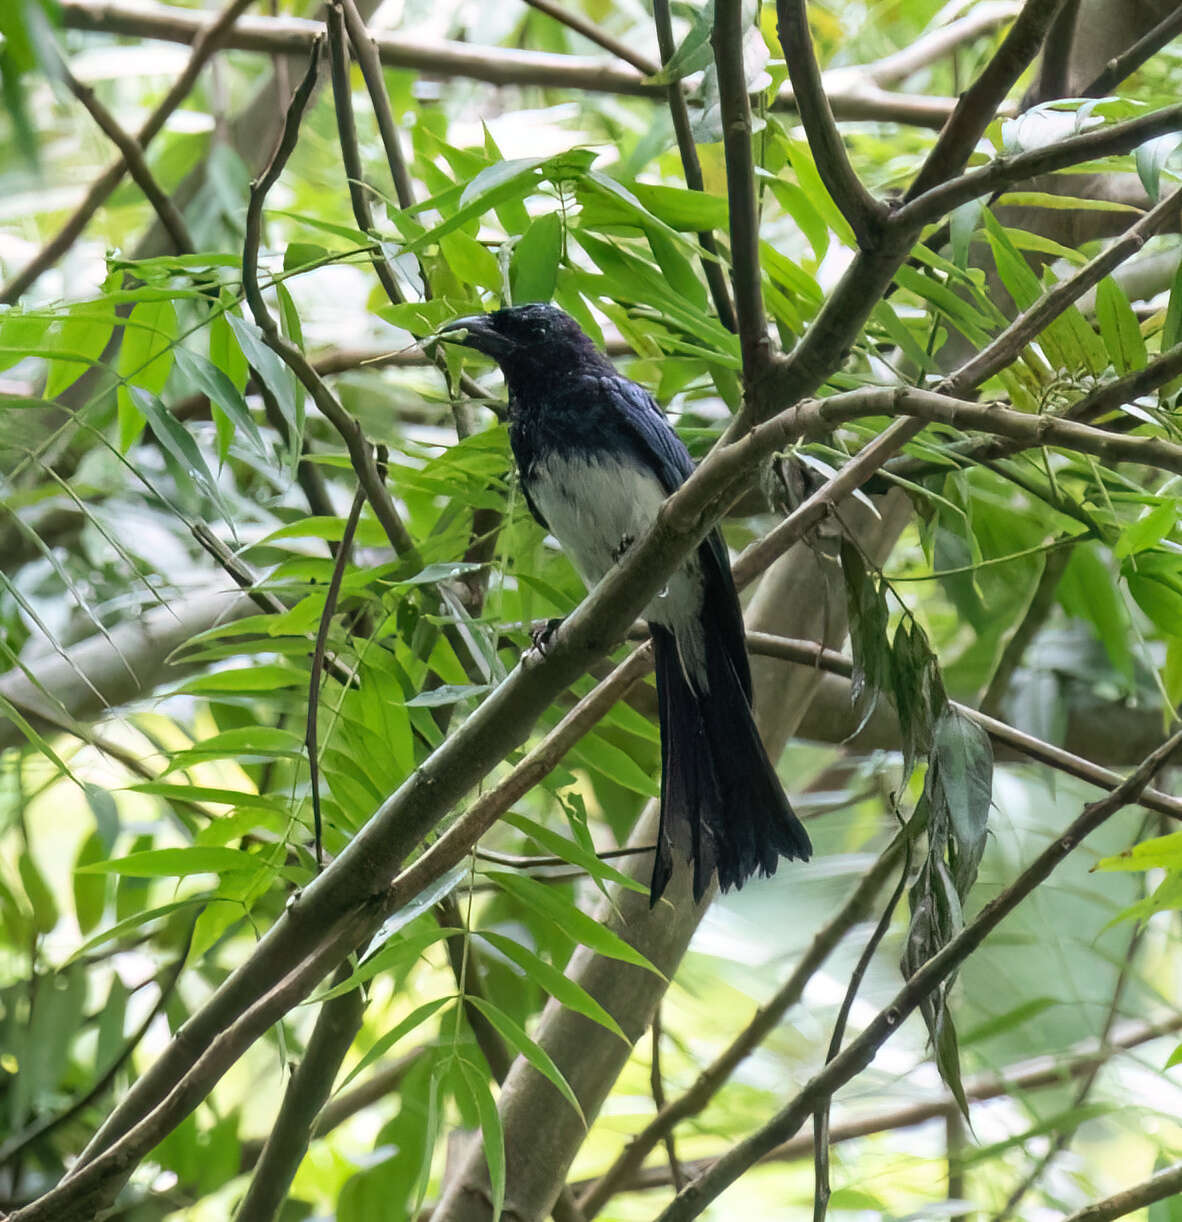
column 665, row 453
column 657, row 444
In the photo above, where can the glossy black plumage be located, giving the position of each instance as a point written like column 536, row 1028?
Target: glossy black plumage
column 596, row 457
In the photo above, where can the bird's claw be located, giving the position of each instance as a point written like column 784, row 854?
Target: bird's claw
column 541, row 632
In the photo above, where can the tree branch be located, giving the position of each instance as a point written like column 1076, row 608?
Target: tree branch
column 1164, row 1184
column 307, row 1093
column 864, row 213
column 692, row 168
column 857, row 102
column 1109, row 141
column 360, row 452
column 689, row 1203
column 206, row 39
column 977, row 106
column 590, row 31
column 727, row 39
column 133, row 160
column 711, row 1079
column 1122, row 66
column 1037, row 1074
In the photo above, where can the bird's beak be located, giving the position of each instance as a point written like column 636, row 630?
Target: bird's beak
column 469, row 330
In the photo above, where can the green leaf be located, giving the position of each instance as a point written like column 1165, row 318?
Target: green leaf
column 89, row 893
column 682, row 209
column 595, row 752
column 38, row 893
column 549, row 978
column 1147, row 531
column 1161, row 852
column 570, row 850
column 961, row 777
column 209, row 793
column 178, row 442
column 1160, row 599
column 868, row 633
column 1119, row 328
column 397, row 952
column 693, row 53
column 134, row 921
column 533, row 270
column 383, row 1045
column 170, row 863
column 1017, row 1017
column 222, row 394
column 491, row 1132
column 275, row 375
column 145, row 360
column 514, row 1035
column 572, row 921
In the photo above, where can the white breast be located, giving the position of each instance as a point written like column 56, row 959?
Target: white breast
column 596, row 510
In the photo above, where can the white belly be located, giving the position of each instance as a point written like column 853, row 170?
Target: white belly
column 596, row 510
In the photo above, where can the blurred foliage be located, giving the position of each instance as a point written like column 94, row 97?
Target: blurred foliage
column 175, row 826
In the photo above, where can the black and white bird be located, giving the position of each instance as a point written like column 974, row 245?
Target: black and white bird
column 597, row 458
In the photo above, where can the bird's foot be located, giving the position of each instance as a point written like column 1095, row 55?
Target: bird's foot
column 541, row 632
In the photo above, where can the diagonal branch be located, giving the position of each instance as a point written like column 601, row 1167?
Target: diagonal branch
column 1128, row 61
column 864, row 213
column 690, row 1203
column 590, row 31
column 133, row 159
column 1164, row 1184
column 976, row 107
column 206, row 40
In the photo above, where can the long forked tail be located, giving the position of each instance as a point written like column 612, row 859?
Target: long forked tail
column 722, row 805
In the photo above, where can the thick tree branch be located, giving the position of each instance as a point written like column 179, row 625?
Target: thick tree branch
column 307, row 1093
column 727, row 39
column 864, row 213
column 1121, row 67
column 857, row 1055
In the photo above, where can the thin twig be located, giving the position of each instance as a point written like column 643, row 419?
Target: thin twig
column 821, row 1192
column 979, row 103
column 691, row 1201
column 206, row 39
column 1164, row 1184
column 1122, row 66
column 347, row 426
column 767, row 1018
column 316, row 669
column 691, row 166
column 590, row 31
column 133, row 157
column 342, row 96
column 1112, row 140
column 676, row 1175
column 1039, row 1074
column 371, row 70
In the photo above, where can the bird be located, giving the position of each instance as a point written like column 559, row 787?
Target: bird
column 596, row 458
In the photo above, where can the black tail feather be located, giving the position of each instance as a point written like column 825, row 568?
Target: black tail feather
column 722, row 805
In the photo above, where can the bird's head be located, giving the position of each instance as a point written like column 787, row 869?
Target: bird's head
column 535, row 339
